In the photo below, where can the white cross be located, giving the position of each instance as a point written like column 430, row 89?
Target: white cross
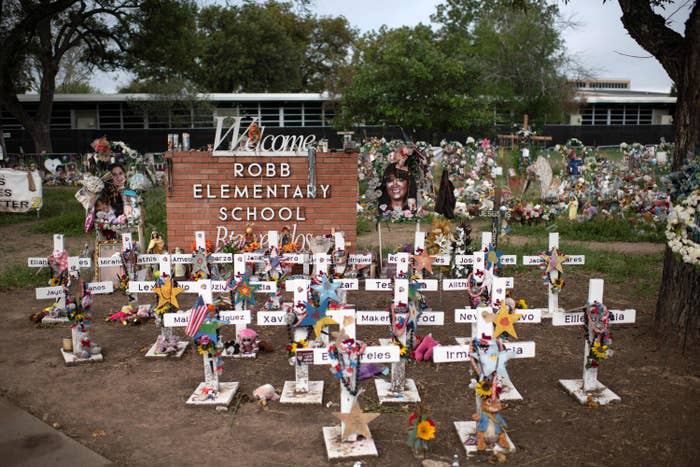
column 589, row 387
column 56, row 293
column 552, row 298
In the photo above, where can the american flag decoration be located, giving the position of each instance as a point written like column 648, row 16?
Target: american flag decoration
column 197, row 315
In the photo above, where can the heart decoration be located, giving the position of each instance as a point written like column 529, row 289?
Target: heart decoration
column 52, row 164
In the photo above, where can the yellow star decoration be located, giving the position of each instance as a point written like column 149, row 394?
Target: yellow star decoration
column 167, row 295
column 325, row 321
column 356, row 421
column 423, row 261
column 504, row 321
column 554, row 261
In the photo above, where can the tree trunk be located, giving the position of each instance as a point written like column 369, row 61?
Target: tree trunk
column 41, row 135
column 678, row 306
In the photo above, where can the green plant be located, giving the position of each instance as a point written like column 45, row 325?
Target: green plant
column 21, row 276
column 364, row 225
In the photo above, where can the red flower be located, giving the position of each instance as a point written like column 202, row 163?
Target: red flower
column 412, row 418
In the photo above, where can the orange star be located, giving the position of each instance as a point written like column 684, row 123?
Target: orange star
column 423, row 261
column 504, row 321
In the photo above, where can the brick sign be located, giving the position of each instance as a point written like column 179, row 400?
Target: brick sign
column 222, row 195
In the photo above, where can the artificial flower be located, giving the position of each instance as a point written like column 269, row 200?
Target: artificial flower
column 426, row 430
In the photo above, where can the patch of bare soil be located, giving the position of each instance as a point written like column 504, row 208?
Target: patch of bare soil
column 132, row 410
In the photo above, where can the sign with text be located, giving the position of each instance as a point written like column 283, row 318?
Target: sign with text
column 304, row 194
column 20, row 190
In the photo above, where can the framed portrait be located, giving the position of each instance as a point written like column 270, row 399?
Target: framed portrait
column 108, row 249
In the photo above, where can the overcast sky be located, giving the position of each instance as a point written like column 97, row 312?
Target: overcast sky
column 600, row 44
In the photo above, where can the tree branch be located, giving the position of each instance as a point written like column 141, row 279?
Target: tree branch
column 650, row 31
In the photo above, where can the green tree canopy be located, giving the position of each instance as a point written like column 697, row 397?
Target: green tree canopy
column 517, row 47
column 248, row 47
column 403, row 77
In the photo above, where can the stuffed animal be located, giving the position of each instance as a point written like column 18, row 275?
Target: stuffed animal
column 490, row 425
column 247, row 341
column 424, row 351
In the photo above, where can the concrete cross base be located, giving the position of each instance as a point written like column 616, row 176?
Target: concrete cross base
column 600, row 394
column 337, row 449
column 223, row 397
column 385, row 395
column 313, row 396
column 467, row 435
column 72, row 360
column 181, row 347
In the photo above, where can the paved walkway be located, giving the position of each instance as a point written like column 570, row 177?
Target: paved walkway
column 28, row 442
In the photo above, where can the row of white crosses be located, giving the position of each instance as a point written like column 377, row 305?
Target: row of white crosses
column 58, row 294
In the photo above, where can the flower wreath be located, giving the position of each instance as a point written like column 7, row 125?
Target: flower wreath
column 683, row 229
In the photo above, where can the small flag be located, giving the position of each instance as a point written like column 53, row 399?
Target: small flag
column 197, row 315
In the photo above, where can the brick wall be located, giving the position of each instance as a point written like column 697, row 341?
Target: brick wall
column 187, row 214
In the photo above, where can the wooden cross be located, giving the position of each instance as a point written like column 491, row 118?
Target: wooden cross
column 588, row 389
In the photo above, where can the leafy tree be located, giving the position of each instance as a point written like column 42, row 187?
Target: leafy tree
column 45, row 30
column 677, row 310
column 248, row 49
column 166, row 42
column 402, row 77
column 516, row 46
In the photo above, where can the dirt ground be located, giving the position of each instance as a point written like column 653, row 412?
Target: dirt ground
column 132, row 410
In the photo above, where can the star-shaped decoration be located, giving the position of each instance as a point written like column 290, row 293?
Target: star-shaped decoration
column 245, row 291
column 423, row 261
column 553, row 260
column 209, row 328
column 327, row 290
column 199, row 265
column 493, row 257
column 356, row 421
column 504, row 321
column 313, row 313
column 493, row 360
column 167, row 295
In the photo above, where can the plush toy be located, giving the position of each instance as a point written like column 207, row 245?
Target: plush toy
column 490, row 425
column 247, row 340
column 265, row 393
column 424, row 351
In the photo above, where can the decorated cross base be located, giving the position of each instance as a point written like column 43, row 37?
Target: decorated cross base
column 344, row 441
column 82, row 348
column 72, row 357
column 466, row 430
column 589, row 390
column 211, row 391
column 301, row 390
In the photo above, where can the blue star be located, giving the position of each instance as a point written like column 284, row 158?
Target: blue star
column 327, row 290
column 314, row 313
column 493, row 360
